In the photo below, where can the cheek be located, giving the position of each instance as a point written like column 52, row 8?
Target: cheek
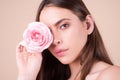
column 77, row 39
column 78, row 34
column 82, row 37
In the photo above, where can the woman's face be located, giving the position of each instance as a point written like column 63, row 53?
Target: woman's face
column 70, row 34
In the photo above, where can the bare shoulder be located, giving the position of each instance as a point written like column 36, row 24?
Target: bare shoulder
column 111, row 73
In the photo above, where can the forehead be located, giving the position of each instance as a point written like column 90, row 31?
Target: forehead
column 52, row 14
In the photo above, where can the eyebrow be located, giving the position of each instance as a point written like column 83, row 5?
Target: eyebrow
column 58, row 22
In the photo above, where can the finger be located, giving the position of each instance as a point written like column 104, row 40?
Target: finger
column 24, row 49
column 17, row 49
column 21, row 53
column 37, row 55
column 21, row 48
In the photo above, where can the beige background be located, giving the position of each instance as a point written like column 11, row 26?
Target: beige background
column 16, row 14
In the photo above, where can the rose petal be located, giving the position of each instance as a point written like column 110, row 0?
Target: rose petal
column 37, row 37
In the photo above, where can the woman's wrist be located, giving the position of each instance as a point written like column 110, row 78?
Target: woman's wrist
column 26, row 77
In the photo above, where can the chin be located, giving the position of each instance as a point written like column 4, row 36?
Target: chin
column 65, row 61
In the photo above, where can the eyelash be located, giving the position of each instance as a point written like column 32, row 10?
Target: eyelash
column 64, row 26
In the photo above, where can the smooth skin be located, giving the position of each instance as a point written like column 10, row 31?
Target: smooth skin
column 70, row 35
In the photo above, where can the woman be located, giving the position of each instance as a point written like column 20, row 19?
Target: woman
column 77, row 51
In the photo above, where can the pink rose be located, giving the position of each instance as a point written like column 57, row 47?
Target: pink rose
column 37, row 37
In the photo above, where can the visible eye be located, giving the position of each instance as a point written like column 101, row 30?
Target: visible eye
column 64, row 26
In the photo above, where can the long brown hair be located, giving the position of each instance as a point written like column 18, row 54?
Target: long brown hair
column 94, row 49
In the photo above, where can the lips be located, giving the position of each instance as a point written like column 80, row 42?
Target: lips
column 60, row 52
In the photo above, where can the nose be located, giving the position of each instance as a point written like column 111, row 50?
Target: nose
column 57, row 39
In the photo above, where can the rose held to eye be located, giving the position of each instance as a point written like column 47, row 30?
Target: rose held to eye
column 37, row 37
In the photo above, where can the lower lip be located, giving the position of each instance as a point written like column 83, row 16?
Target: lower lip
column 61, row 53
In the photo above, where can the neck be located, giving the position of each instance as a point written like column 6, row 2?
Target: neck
column 75, row 69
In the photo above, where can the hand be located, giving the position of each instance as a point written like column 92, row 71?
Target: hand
column 28, row 63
